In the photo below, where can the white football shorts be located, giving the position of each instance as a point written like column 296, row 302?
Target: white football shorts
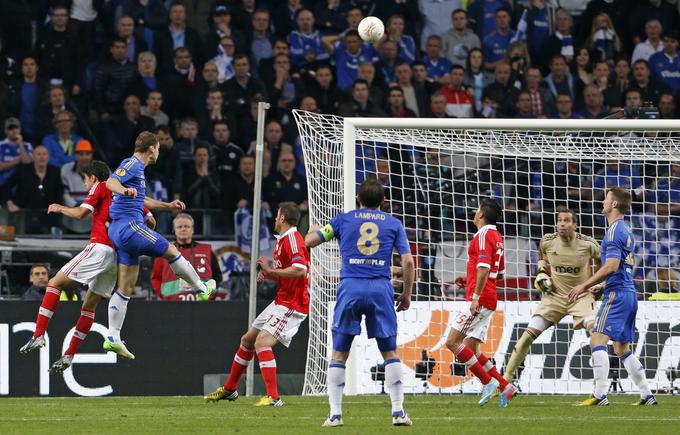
column 95, row 266
column 473, row 326
column 280, row 321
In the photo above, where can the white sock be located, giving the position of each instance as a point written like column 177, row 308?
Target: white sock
column 336, row 386
column 637, row 373
column 186, row 271
column 601, row 371
column 394, row 384
column 117, row 310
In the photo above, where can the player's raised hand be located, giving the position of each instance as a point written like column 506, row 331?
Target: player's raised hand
column 177, row 205
column 460, row 281
column 54, row 208
column 403, row 302
column 575, row 292
column 130, row 191
column 263, row 262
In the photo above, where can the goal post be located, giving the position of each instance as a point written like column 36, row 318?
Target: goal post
column 435, row 171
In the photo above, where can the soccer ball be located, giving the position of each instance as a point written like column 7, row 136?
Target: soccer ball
column 371, row 29
column 543, row 283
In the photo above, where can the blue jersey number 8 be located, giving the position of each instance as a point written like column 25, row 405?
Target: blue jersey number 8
column 368, row 243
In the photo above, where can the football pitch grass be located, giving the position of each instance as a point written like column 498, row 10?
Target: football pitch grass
column 362, row 415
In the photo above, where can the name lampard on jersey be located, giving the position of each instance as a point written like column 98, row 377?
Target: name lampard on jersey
column 369, row 215
column 367, row 261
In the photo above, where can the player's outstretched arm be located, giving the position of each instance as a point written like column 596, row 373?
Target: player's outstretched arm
column 154, row 204
column 318, row 235
column 408, row 273
column 72, row 212
column 610, row 266
column 116, row 186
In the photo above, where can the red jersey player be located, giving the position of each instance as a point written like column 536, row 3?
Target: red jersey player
column 280, row 321
column 471, row 324
column 94, row 266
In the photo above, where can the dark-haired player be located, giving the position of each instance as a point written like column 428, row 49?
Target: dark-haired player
column 471, row 325
column 367, row 236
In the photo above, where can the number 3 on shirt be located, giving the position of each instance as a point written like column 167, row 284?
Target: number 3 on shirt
column 497, row 263
column 368, row 243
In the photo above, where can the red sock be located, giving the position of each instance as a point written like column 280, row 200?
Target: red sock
column 268, row 370
column 491, row 370
column 48, row 306
column 83, row 326
column 241, row 361
column 465, row 355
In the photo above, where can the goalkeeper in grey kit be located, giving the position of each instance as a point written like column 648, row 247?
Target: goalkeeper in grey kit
column 566, row 259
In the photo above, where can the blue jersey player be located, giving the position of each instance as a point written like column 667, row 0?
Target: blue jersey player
column 367, row 237
column 615, row 319
column 132, row 238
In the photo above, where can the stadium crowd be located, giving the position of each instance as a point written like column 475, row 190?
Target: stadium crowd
column 79, row 79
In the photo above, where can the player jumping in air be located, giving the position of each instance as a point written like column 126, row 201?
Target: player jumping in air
column 132, row 239
column 367, row 237
column 485, row 263
column 616, row 317
column 280, row 321
column 94, row 266
column 567, row 256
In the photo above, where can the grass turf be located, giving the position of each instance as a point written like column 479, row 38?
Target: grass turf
column 362, row 415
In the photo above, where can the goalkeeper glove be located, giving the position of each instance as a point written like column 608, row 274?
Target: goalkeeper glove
column 543, row 283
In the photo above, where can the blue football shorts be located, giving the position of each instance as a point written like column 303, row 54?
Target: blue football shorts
column 133, row 238
column 616, row 316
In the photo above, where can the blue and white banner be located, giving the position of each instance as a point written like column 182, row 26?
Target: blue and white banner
column 243, row 229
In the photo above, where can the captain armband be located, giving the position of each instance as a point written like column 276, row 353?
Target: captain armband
column 326, row 233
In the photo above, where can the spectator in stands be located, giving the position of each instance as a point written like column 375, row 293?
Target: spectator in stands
column 353, row 17
column 459, row 40
column 564, row 107
column 649, row 90
column 34, row 186
column 112, row 80
column 241, row 192
column 261, row 40
column 39, row 276
column 56, row 52
column 200, row 184
column 602, row 79
column 145, row 79
column 135, row 42
column 149, row 16
column 120, row 131
column 542, row 101
column 242, row 87
column 225, row 58
column 176, row 35
column 159, row 175
column 305, row 43
column 561, row 42
column 221, row 26
column 490, row 104
column 61, row 144
column 348, row 56
column 665, row 65
column 496, row 43
column 360, row 105
column 273, row 146
column 285, row 185
column 594, row 109
column 581, row 66
column 614, row 94
column 211, row 113
column 560, row 80
column 167, row 285
column 154, row 101
column 388, row 61
column 436, row 17
column 536, row 25
column 83, row 22
column 285, row 15
column 603, row 40
column 180, row 82
column 438, row 105
column 227, row 154
column 645, row 49
column 476, row 77
column 367, row 72
column 285, row 89
column 517, row 56
column 265, row 70
column 183, row 151
column 481, row 15
column 208, row 82
column 395, row 104
column 326, row 95
column 13, row 150
column 406, row 46
column 523, row 106
column 666, row 14
column 330, row 17
column 504, row 91
column 667, row 106
column 25, row 96
column 421, row 79
column 438, row 67
column 56, row 102
column 75, row 190
column 416, row 96
column 459, row 104
column 633, row 99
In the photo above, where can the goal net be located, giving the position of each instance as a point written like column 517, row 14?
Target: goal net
column 435, row 172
